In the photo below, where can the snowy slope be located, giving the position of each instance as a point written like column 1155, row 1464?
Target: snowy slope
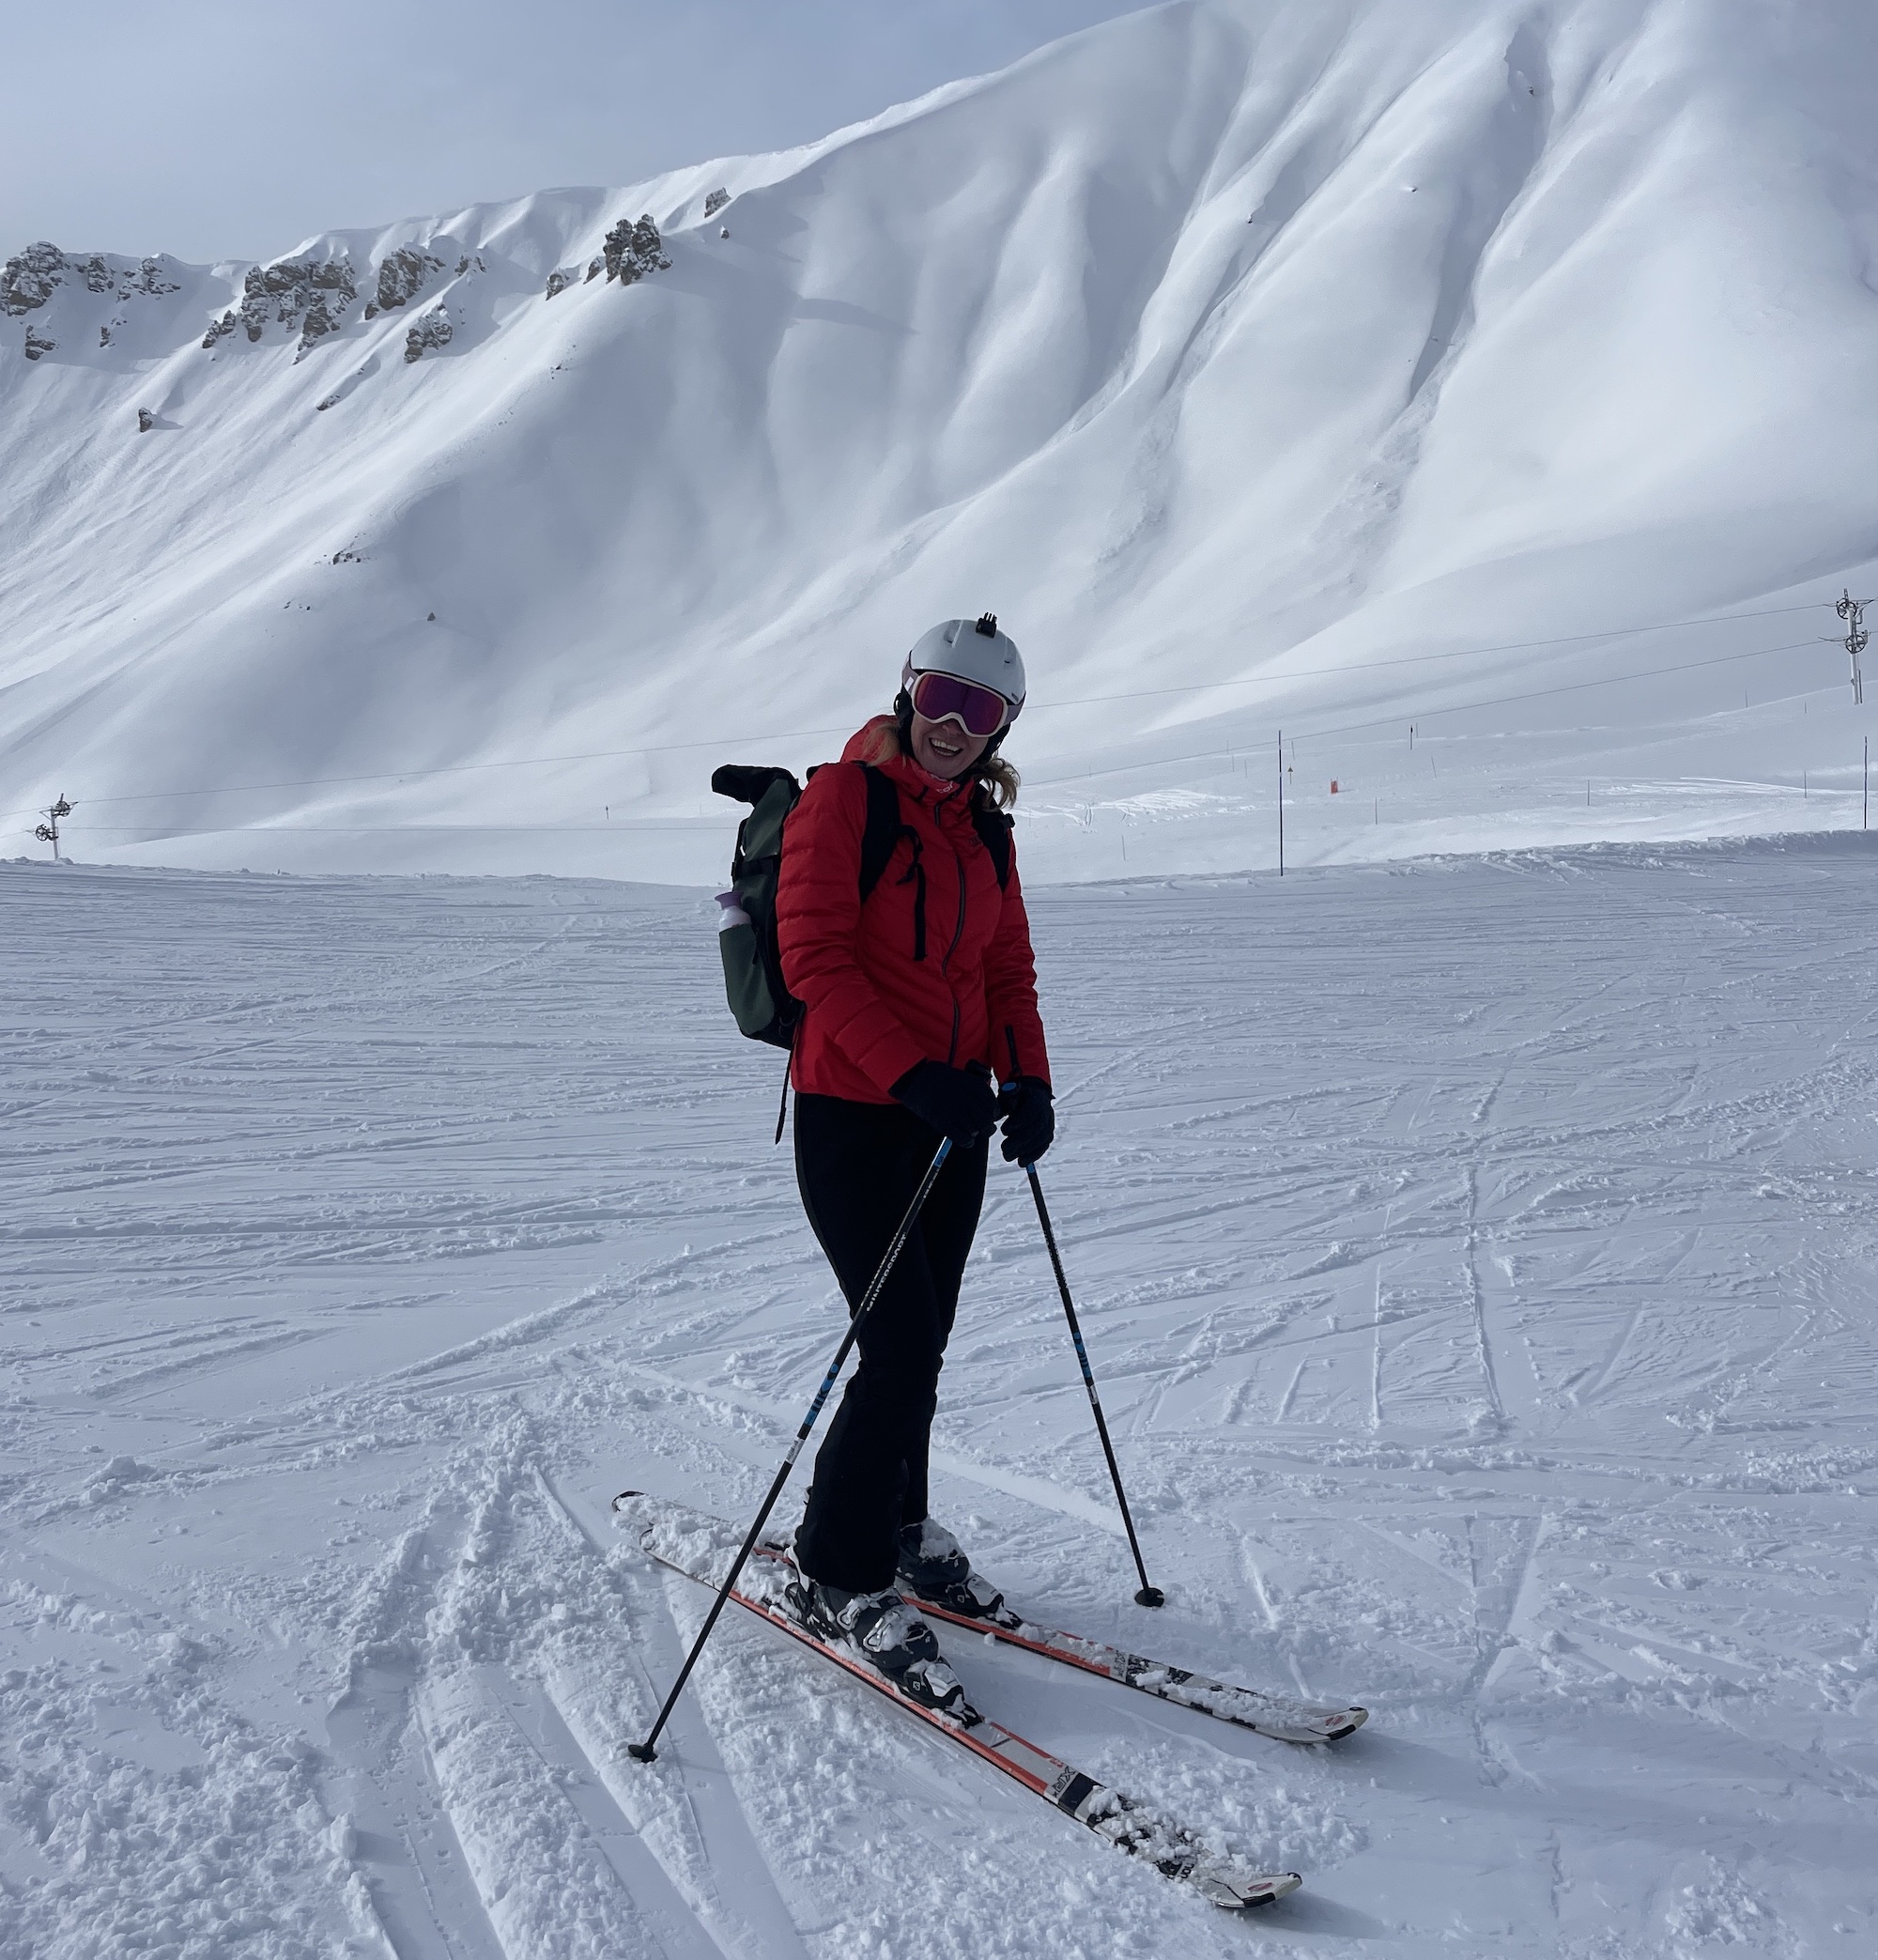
column 1271, row 343
column 1484, row 1333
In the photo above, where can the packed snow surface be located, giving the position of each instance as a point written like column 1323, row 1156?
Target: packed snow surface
column 1476, row 1256
column 1323, row 365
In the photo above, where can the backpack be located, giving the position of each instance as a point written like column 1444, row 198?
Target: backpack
column 764, row 1008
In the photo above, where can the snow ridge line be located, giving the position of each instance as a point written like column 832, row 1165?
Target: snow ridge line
column 553, row 1887
column 734, row 1887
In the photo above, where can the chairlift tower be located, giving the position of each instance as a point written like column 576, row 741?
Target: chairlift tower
column 48, row 832
column 1853, row 612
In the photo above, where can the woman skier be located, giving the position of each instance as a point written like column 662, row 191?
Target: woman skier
column 913, row 998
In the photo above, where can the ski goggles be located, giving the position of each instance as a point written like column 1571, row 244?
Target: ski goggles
column 943, row 697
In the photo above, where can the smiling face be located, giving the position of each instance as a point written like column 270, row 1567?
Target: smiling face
column 944, row 747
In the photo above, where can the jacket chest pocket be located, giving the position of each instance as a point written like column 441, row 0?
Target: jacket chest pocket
column 976, row 902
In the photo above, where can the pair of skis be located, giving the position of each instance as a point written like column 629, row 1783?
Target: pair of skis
column 1267, row 1714
column 702, row 1547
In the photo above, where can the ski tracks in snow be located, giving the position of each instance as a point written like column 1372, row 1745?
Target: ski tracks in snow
column 500, row 1668
column 1475, row 1261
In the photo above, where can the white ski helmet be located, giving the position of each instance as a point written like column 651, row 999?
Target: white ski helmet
column 970, row 650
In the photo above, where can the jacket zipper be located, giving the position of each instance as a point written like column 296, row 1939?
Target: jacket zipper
column 944, row 965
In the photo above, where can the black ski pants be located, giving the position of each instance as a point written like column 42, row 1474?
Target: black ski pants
column 857, row 1166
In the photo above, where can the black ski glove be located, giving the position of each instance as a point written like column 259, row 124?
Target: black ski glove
column 958, row 1102
column 1029, row 1121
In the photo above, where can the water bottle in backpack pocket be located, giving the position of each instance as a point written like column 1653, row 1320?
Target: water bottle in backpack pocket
column 763, row 1006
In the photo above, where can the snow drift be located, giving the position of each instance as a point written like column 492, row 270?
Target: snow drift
column 1251, row 351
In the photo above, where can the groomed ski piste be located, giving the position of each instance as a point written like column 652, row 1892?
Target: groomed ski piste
column 1476, row 1256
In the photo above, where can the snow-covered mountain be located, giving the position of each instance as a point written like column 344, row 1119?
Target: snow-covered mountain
column 1253, row 352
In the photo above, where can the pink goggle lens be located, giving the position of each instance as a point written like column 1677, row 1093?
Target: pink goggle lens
column 980, row 711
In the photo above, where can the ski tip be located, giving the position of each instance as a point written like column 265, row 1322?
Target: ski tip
column 1315, row 1729
column 1278, row 1886
column 1244, row 1891
column 1324, row 1725
column 1308, row 1726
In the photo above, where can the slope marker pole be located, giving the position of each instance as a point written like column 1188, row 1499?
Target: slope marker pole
column 1281, row 825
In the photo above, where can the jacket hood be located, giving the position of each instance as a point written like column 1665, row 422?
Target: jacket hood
column 877, row 742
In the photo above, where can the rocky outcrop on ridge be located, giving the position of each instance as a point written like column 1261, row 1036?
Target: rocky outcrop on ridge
column 403, row 275
column 631, row 249
column 310, row 293
column 30, row 278
column 433, row 330
column 716, row 200
column 314, row 294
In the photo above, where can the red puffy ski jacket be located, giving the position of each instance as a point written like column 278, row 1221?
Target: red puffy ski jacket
column 877, row 1001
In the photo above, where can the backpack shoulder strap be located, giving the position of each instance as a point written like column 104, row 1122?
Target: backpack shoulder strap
column 883, row 827
column 994, row 827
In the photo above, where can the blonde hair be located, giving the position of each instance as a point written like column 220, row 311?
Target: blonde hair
column 999, row 779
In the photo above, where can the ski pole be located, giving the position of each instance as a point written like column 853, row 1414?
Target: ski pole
column 644, row 1751
column 1149, row 1595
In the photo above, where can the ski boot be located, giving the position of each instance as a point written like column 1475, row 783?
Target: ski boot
column 885, row 1631
column 933, row 1568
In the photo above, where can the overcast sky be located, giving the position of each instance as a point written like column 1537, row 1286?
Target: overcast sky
column 231, row 129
